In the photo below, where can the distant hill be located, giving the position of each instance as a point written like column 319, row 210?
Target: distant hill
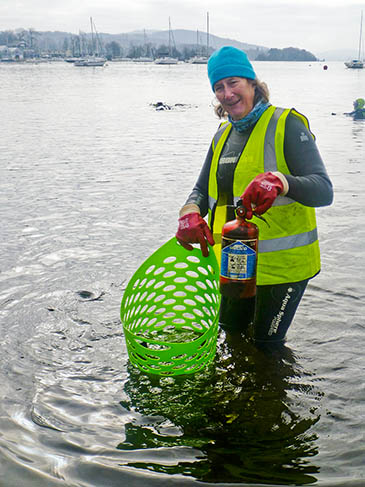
column 181, row 39
column 286, row 54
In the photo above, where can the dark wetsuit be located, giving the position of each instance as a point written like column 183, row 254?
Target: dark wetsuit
column 309, row 185
column 358, row 114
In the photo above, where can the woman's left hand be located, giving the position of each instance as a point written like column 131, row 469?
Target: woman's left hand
column 261, row 193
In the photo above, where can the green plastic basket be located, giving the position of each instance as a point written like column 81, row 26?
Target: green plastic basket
column 170, row 311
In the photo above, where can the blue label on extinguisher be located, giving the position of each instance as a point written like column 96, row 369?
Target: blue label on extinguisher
column 238, row 261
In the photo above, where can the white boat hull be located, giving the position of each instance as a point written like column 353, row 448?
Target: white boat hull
column 199, row 60
column 354, row 64
column 90, row 62
column 166, row 60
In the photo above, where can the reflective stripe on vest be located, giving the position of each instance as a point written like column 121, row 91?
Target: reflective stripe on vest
column 290, row 242
column 286, row 254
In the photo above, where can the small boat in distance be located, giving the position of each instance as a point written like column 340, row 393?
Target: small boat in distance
column 145, row 56
column 167, row 59
column 90, row 61
column 354, row 64
column 201, row 59
column 71, row 59
column 198, row 60
column 357, row 63
column 95, row 59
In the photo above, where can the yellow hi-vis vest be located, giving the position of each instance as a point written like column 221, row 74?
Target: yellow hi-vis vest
column 288, row 248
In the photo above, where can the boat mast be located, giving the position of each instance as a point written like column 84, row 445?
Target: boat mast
column 92, row 36
column 170, row 37
column 360, row 38
column 98, row 45
column 207, row 34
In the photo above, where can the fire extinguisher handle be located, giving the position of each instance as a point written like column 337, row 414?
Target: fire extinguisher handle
column 242, row 211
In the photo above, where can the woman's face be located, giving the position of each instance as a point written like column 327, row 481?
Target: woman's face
column 236, row 96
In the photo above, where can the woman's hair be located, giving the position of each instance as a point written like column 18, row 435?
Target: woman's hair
column 261, row 93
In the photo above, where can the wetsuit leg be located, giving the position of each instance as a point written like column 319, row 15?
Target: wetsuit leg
column 236, row 314
column 275, row 309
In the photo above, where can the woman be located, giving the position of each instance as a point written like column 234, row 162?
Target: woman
column 267, row 157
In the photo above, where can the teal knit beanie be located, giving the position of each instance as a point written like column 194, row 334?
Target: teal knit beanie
column 229, row 61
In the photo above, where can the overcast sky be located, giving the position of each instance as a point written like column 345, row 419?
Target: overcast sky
column 315, row 25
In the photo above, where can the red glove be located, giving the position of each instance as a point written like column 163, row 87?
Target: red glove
column 194, row 229
column 260, row 194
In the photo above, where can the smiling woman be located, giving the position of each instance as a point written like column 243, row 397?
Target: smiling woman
column 236, row 95
column 261, row 93
column 266, row 159
column 235, row 85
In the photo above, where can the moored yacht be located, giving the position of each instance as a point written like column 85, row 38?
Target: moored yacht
column 90, row 61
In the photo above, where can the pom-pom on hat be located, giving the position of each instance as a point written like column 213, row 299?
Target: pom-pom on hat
column 229, row 61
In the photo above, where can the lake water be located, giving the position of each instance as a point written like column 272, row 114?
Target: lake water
column 92, row 178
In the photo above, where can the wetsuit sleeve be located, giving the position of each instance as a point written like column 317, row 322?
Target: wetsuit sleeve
column 308, row 180
column 199, row 194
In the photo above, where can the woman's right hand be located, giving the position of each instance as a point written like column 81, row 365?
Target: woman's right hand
column 194, row 229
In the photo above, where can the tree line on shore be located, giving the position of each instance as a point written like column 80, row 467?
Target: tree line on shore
column 286, row 54
column 36, row 44
column 61, row 44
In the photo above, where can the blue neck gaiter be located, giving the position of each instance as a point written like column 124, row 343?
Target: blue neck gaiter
column 251, row 118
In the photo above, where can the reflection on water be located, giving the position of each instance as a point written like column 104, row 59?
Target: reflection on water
column 248, row 420
column 358, row 134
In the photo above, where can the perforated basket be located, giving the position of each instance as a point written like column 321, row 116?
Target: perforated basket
column 169, row 311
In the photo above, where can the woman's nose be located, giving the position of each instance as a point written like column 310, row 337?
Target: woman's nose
column 228, row 92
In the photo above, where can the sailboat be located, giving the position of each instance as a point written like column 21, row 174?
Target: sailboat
column 201, row 59
column 167, row 59
column 145, row 58
column 357, row 63
column 94, row 59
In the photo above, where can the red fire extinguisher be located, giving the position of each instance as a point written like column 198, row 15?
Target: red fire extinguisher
column 239, row 257
column 238, row 270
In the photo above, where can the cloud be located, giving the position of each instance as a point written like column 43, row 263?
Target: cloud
column 309, row 24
